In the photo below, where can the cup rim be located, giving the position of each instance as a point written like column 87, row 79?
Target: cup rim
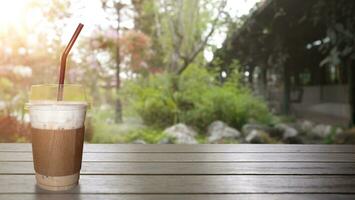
column 56, row 85
column 44, row 102
column 41, row 103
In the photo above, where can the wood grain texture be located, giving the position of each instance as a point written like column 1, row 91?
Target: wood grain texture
column 191, row 184
column 196, row 172
column 212, row 148
column 177, row 196
column 119, row 168
column 198, row 157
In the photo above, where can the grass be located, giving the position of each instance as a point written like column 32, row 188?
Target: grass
column 149, row 135
column 104, row 130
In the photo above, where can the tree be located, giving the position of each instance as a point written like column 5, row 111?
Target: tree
column 135, row 47
column 117, row 9
column 128, row 50
column 182, row 28
column 118, row 117
column 29, row 50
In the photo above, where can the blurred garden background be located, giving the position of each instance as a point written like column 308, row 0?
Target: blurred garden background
column 187, row 71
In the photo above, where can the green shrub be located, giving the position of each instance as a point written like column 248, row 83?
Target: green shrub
column 197, row 101
column 158, row 110
column 149, row 135
column 208, row 101
column 152, row 99
column 224, row 104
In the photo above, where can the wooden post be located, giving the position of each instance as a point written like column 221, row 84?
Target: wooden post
column 351, row 84
column 286, row 95
column 264, row 77
column 264, row 82
column 251, row 75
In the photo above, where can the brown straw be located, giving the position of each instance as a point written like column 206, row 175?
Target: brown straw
column 63, row 61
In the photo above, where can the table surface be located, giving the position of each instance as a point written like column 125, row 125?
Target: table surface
column 171, row 172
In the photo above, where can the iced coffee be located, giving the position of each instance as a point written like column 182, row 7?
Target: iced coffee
column 57, row 129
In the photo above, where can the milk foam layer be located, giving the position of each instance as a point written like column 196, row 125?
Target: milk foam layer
column 57, row 115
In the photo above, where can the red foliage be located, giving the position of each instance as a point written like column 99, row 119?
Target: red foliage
column 136, row 45
column 11, row 129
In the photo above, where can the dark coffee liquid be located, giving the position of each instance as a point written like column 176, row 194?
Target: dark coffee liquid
column 57, row 152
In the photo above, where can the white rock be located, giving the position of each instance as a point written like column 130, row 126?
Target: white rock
column 139, row 141
column 218, row 130
column 257, row 136
column 247, row 128
column 338, row 131
column 322, row 130
column 305, row 125
column 181, row 133
column 288, row 131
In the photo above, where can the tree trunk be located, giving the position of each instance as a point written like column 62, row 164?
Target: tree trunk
column 286, row 97
column 351, row 83
column 118, row 106
column 251, row 76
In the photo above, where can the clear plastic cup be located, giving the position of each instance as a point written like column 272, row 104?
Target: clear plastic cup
column 57, row 129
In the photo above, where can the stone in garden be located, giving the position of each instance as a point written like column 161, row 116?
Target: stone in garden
column 273, row 132
column 305, row 126
column 258, row 137
column 219, row 130
column 290, row 135
column 338, row 131
column 139, row 141
column 248, row 128
column 165, row 141
column 181, row 134
column 321, row 130
column 345, row 137
column 287, row 131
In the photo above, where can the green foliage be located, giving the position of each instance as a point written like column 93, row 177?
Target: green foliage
column 330, row 139
column 152, row 100
column 201, row 139
column 198, row 100
column 264, row 138
column 103, row 134
column 105, row 131
column 209, row 101
column 227, row 103
column 283, row 119
column 338, row 18
column 149, row 135
column 6, row 91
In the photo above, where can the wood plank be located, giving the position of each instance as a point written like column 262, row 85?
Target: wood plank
column 212, row 148
column 112, row 168
column 198, row 157
column 178, row 196
column 193, row 184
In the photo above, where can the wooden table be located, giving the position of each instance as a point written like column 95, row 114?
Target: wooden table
column 171, row 172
